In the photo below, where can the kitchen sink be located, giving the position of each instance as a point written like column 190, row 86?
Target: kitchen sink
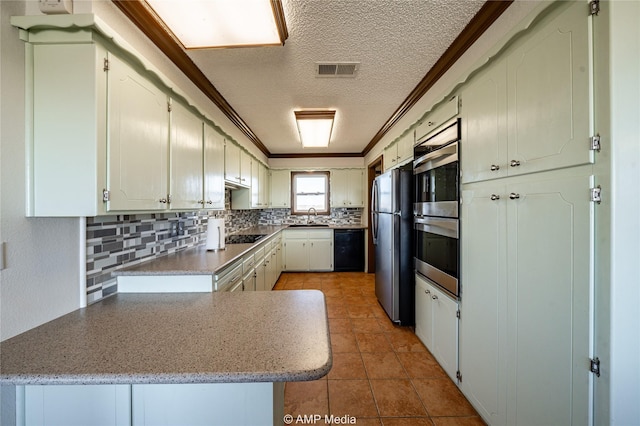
column 310, row 225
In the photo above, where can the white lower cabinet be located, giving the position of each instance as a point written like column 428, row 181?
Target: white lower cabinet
column 437, row 324
column 526, row 308
column 208, row 404
column 308, row 250
column 73, row 405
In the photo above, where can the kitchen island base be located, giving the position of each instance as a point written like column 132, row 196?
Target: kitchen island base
column 207, row 404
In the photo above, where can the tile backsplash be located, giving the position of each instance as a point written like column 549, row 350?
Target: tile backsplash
column 125, row 240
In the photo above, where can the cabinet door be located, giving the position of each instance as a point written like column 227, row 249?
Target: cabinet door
column 263, row 199
column 405, row 147
column 549, row 235
column 280, row 189
column 296, row 253
column 213, row 169
column 339, row 187
column 186, row 159
column 390, row 156
column 445, row 331
column 137, row 141
column 437, row 117
column 355, row 181
column 483, row 304
column 261, row 272
column 255, row 184
column 71, row 405
column 232, row 162
column 245, row 168
column 320, row 255
column 549, row 94
column 424, row 314
column 484, row 125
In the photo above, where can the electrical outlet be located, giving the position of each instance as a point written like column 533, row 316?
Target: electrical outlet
column 173, row 230
column 55, row 7
column 181, row 228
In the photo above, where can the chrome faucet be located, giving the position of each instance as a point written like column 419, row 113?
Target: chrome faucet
column 309, row 214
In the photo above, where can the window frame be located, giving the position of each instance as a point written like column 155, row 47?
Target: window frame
column 327, row 175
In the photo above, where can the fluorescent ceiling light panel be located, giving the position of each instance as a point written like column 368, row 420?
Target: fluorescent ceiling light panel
column 200, row 24
column 315, row 127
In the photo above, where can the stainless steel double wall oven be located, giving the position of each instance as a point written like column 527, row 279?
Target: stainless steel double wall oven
column 436, row 171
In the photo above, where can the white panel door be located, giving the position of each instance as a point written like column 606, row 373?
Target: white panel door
column 137, row 141
column 77, row 405
column 280, row 189
column 213, row 169
column 483, row 304
column 232, row 162
column 320, row 255
column 186, row 159
column 484, row 125
column 548, row 84
column 424, row 312
column 550, row 275
column 445, row 331
column 296, row 255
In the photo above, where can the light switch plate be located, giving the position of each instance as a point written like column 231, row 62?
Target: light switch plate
column 56, row 7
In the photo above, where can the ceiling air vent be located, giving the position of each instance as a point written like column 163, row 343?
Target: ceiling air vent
column 336, row 69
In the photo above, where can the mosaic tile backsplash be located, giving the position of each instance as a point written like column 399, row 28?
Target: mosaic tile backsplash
column 125, row 240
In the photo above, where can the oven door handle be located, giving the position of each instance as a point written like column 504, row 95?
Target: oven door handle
column 444, row 227
column 438, row 158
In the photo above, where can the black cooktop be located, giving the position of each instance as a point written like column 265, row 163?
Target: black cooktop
column 242, row 239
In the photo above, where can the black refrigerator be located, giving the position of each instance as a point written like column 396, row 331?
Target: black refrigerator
column 392, row 231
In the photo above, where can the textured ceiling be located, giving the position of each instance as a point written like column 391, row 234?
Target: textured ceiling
column 395, row 41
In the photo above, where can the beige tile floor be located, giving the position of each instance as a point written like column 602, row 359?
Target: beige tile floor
column 382, row 374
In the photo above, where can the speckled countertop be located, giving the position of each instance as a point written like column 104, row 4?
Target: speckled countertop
column 199, row 261
column 177, row 338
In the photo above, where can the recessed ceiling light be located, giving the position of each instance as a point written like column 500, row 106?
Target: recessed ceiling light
column 200, row 24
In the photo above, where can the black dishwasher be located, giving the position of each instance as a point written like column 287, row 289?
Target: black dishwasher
column 348, row 250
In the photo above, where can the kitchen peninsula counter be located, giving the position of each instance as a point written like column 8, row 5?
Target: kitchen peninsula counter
column 177, row 338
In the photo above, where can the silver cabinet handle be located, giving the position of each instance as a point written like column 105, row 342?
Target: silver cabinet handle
column 209, row 202
column 494, row 197
column 434, row 297
column 495, row 167
column 514, row 163
column 514, row 196
column 163, row 200
column 201, row 202
column 427, row 292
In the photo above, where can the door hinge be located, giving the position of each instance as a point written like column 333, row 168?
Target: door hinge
column 105, row 195
column 105, row 64
column 169, row 106
column 595, row 366
column 459, row 376
column 594, row 7
column 458, row 314
column 596, row 194
column 595, row 143
column 459, row 103
column 169, row 198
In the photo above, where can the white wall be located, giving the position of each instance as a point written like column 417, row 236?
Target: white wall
column 623, row 359
column 315, row 163
column 42, row 276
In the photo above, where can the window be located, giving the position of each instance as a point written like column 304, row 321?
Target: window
column 309, row 190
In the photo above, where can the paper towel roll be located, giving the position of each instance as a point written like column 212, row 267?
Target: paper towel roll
column 215, row 234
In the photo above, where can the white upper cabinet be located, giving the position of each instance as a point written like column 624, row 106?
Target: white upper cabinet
column 138, row 137
column 68, row 145
column 213, row 169
column 232, row 163
column 440, row 115
column 540, row 93
column 399, row 152
column 347, row 188
column 186, row 187
column 280, row 196
column 117, row 147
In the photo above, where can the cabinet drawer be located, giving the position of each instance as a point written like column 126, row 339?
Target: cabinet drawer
column 248, row 263
column 320, row 234
column 229, row 277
